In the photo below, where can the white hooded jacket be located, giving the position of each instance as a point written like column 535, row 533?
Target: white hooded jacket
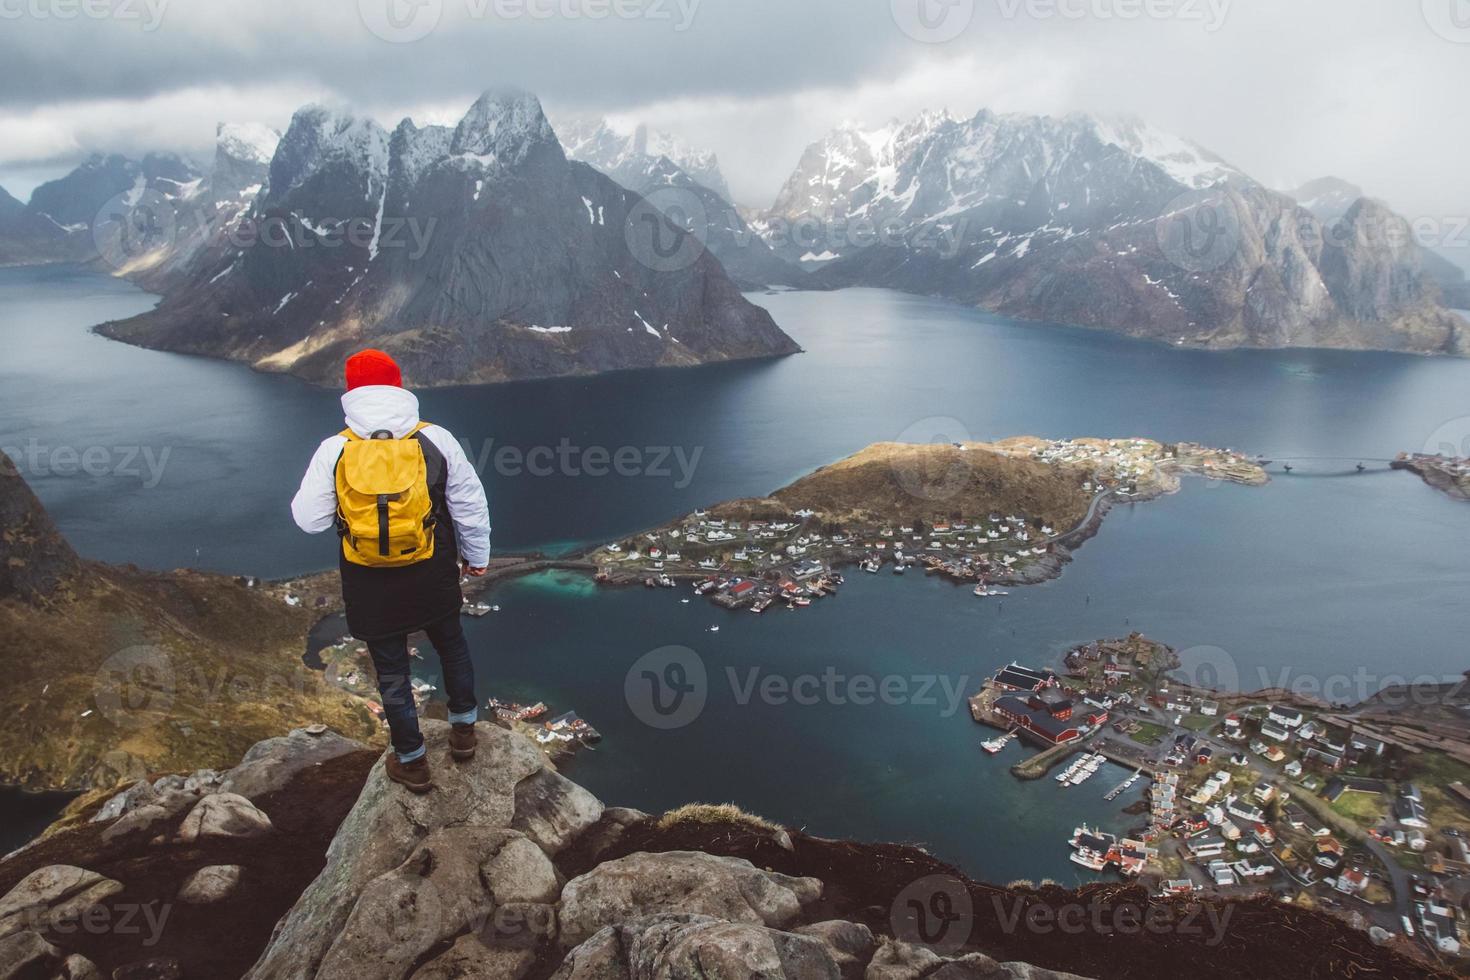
column 374, row 408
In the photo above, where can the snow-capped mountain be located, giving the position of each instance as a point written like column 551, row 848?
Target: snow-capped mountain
column 1066, row 171
column 28, row 237
column 1105, row 223
column 618, row 155
column 675, row 182
column 146, row 218
column 1327, row 197
column 242, row 160
column 1331, row 198
column 473, row 254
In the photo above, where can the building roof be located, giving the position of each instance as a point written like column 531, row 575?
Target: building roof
column 1037, row 717
column 1024, row 678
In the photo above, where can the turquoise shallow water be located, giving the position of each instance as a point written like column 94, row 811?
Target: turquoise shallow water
column 1320, row 579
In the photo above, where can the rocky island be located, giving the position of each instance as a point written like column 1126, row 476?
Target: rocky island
column 1449, row 474
column 1002, row 513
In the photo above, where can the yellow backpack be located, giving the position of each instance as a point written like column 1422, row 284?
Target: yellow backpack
column 385, row 511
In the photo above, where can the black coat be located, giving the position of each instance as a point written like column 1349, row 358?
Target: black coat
column 388, row 602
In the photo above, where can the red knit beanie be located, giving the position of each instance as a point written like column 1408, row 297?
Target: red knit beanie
column 373, row 367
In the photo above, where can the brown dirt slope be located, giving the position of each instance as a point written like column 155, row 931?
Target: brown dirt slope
column 129, row 672
column 899, row 482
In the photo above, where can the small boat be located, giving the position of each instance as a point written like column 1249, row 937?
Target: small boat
column 994, row 745
column 801, row 602
column 714, row 629
column 900, row 568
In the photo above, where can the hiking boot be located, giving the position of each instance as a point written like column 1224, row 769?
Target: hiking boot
column 462, row 742
column 415, row 775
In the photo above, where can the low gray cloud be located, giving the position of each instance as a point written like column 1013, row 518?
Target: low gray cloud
column 1286, row 89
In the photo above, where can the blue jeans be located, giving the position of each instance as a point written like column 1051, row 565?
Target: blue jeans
column 390, row 659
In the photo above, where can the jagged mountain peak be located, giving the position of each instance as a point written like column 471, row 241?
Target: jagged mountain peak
column 1329, row 198
column 1184, row 160
column 625, row 155
column 320, row 135
column 249, row 142
column 506, row 124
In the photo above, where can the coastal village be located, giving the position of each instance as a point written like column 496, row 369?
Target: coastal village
column 1362, row 811
column 955, row 510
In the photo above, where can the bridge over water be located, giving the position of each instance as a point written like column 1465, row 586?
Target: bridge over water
column 1324, row 465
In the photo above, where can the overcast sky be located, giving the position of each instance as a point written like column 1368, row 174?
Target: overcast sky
column 1371, row 90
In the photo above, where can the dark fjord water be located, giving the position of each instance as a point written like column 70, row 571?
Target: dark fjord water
column 1304, row 581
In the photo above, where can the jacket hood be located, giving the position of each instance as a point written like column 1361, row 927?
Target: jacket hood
column 376, row 407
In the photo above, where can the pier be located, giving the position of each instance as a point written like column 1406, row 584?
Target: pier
column 1122, row 787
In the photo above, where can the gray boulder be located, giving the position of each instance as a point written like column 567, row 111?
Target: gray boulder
column 25, row 954
column 451, row 884
column 906, row 961
column 850, row 944
column 76, row 967
column 211, row 884
column 684, row 945
column 731, row 889
column 150, row 817
column 223, row 815
column 52, row 894
column 270, row 765
column 141, row 793
column 552, row 810
column 470, row 957
column 383, row 831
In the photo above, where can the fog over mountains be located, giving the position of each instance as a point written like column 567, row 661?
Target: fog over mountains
column 1108, row 224
column 477, row 253
column 503, row 248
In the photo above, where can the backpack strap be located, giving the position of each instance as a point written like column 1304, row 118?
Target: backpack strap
column 436, row 466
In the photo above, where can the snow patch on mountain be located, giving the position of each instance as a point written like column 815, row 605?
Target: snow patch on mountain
column 250, row 142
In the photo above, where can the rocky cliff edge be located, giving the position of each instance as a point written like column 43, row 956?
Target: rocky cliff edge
column 304, row 861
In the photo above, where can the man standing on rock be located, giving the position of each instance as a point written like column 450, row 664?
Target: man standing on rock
column 411, row 514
